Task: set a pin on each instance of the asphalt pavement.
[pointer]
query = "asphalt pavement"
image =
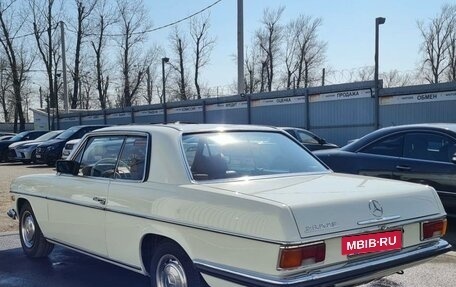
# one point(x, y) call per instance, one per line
point(63, 268)
point(71, 269)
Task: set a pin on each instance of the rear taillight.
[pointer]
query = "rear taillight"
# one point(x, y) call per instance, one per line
point(297, 256)
point(433, 229)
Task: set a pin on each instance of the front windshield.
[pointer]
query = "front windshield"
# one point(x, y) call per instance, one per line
point(19, 136)
point(237, 154)
point(66, 134)
point(48, 136)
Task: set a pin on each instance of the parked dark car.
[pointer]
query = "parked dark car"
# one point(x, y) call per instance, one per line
point(25, 151)
point(23, 136)
point(421, 153)
point(5, 138)
point(309, 139)
point(50, 151)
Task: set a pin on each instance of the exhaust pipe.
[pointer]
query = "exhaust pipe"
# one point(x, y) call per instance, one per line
point(12, 213)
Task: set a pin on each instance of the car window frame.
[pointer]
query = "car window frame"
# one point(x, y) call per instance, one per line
point(431, 132)
point(400, 133)
point(403, 132)
point(83, 144)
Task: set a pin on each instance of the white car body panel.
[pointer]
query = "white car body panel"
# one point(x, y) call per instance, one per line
point(234, 226)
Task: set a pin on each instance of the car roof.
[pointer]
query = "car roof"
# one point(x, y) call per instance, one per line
point(189, 128)
point(451, 127)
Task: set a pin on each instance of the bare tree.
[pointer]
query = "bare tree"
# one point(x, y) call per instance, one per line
point(435, 43)
point(451, 74)
point(103, 18)
point(269, 40)
point(202, 46)
point(84, 9)
point(250, 66)
point(179, 47)
point(133, 24)
point(291, 48)
point(306, 53)
point(43, 23)
point(14, 55)
point(394, 78)
point(5, 87)
point(151, 80)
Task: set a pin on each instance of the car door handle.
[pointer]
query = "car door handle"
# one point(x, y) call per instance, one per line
point(101, 200)
point(403, 167)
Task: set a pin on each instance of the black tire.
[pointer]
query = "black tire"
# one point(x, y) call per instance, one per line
point(171, 257)
point(33, 242)
point(33, 156)
point(4, 156)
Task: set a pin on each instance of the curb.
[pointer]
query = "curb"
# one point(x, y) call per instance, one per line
point(8, 233)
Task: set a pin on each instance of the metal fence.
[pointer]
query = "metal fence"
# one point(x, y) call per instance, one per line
point(337, 112)
point(9, 127)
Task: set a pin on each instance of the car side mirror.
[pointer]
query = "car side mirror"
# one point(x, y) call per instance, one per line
point(322, 141)
point(67, 167)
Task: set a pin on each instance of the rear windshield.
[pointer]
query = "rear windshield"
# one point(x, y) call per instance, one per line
point(19, 136)
point(67, 133)
point(238, 154)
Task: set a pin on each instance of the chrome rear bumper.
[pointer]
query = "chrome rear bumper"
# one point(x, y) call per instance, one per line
point(356, 272)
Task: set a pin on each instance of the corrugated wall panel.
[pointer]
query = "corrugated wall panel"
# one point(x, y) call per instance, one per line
point(430, 112)
point(92, 120)
point(229, 116)
point(283, 115)
point(151, 119)
point(192, 117)
point(342, 135)
point(342, 113)
point(68, 124)
point(118, 121)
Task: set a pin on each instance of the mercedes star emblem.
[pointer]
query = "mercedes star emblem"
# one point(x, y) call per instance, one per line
point(375, 208)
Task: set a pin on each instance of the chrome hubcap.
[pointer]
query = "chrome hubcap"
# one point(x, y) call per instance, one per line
point(28, 229)
point(170, 272)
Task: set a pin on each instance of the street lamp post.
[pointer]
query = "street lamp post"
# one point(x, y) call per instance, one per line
point(378, 21)
point(165, 114)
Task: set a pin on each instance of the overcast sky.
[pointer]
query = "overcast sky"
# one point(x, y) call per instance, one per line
point(348, 28)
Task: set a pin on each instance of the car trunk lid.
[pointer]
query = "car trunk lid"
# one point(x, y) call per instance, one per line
point(327, 203)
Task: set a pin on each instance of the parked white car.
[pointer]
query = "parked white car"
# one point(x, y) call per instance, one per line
point(69, 147)
point(225, 205)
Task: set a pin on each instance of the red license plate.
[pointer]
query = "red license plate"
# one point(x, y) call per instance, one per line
point(372, 242)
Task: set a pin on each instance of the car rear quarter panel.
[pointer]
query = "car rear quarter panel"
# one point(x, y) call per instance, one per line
point(217, 227)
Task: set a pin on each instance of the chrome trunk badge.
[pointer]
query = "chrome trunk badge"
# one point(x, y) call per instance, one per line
point(375, 208)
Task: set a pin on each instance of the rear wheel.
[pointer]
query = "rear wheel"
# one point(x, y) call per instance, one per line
point(32, 239)
point(171, 266)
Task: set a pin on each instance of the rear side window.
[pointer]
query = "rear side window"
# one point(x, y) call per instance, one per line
point(390, 146)
point(306, 138)
point(133, 158)
point(221, 155)
point(428, 146)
